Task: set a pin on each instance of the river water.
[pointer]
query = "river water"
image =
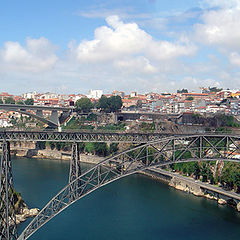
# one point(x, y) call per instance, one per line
point(136, 208)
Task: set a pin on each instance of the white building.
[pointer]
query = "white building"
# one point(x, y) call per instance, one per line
point(29, 95)
point(133, 94)
point(5, 123)
point(96, 94)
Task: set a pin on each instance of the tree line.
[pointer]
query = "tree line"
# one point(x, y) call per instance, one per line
point(10, 100)
point(229, 178)
point(105, 104)
point(100, 149)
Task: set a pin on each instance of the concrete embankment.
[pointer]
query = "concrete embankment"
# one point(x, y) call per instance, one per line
point(197, 188)
point(53, 154)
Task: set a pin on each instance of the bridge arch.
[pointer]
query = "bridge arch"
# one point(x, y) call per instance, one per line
point(53, 120)
point(142, 157)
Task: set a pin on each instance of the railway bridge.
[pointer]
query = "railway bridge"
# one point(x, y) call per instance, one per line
point(150, 153)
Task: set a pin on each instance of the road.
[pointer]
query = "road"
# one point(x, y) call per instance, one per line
point(199, 183)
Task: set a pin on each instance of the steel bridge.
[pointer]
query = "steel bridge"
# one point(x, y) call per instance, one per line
point(82, 136)
point(152, 154)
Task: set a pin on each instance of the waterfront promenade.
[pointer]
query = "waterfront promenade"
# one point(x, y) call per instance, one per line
point(204, 186)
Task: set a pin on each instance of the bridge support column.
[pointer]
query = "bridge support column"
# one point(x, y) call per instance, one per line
point(75, 167)
point(54, 117)
point(39, 113)
point(8, 227)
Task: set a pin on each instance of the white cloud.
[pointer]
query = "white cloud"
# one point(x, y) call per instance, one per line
point(222, 3)
point(38, 55)
point(120, 40)
point(221, 28)
point(139, 64)
point(193, 83)
point(235, 58)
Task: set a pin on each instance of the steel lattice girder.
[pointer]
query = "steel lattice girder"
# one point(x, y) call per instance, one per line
point(81, 136)
point(8, 227)
point(75, 168)
point(163, 152)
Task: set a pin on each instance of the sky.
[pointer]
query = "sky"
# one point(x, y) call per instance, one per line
point(72, 46)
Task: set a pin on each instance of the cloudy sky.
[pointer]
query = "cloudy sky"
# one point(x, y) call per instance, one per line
point(71, 46)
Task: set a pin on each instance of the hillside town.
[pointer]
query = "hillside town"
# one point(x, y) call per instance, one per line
point(207, 102)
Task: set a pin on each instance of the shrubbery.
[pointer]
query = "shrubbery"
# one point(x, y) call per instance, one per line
point(96, 148)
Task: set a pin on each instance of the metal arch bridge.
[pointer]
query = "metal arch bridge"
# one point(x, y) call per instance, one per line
point(166, 151)
point(53, 121)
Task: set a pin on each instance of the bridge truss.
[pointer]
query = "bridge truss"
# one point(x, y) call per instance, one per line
point(81, 136)
point(163, 152)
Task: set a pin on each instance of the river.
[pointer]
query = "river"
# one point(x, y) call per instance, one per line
point(136, 208)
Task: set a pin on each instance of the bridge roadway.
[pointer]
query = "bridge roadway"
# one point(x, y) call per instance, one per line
point(86, 136)
point(83, 136)
point(14, 107)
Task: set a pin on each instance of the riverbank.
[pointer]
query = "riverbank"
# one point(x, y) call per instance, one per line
point(53, 154)
point(21, 209)
point(26, 213)
point(196, 188)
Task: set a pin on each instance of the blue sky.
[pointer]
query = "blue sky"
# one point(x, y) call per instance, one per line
point(144, 45)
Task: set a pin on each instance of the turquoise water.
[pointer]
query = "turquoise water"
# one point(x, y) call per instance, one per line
point(136, 208)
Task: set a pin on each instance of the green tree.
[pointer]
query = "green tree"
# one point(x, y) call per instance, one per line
point(29, 101)
point(9, 100)
point(113, 148)
point(236, 181)
point(41, 145)
point(103, 103)
point(81, 147)
point(51, 144)
point(197, 170)
point(115, 103)
point(215, 89)
point(1, 101)
point(89, 147)
point(101, 149)
point(112, 104)
point(182, 91)
point(19, 102)
point(204, 172)
point(231, 176)
point(84, 105)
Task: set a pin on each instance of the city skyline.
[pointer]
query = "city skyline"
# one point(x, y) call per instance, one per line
point(144, 46)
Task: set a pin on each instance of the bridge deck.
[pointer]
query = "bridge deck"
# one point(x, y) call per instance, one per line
point(12, 107)
point(91, 136)
point(81, 136)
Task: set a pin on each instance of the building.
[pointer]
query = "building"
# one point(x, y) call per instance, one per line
point(29, 95)
point(195, 95)
point(96, 94)
point(133, 94)
point(118, 93)
point(5, 95)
